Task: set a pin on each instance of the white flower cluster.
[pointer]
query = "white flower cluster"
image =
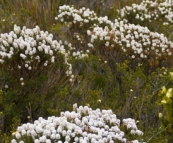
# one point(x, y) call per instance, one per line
point(80, 54)
point(76, 53)
point(67, 13)
point(148, 11)
point(137, 41)
point(131, 125)
point(81, 16)
point(31, 46)
point(82, 125)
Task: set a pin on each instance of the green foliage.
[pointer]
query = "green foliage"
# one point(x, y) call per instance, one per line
point(128, 92)
point(32, 99)
point(166, 102)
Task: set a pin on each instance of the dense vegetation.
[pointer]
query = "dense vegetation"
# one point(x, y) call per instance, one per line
point(114, 58)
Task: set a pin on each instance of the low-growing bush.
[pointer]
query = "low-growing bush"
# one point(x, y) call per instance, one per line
point(81, 125)
point(117, 40)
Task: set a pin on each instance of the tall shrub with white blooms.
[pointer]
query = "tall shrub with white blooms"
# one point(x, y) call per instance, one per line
point(33, 64)
point(28, 50)
point(81, 125)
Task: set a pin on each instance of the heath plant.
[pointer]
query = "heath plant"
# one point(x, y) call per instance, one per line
point(29, 50)
point(147, 11)
point(32, 65)
point(156, 15)
point(134, 42)
point(81, 125)
point(77, 22)
point(119, 40)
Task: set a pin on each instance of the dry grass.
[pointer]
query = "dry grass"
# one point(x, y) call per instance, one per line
point(42, 12)
point(29, 12)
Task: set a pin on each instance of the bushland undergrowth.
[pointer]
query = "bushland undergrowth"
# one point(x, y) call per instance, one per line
point(100, 54)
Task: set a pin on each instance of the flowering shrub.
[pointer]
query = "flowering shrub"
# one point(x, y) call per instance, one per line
point(126, 40)
point(77, 21)
point(70, 14)
point(147, 11)
point(136, 42)
point(32, 66)
point(156, 15)
point(32, 49)
point(81, 125)
point(83, 17)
